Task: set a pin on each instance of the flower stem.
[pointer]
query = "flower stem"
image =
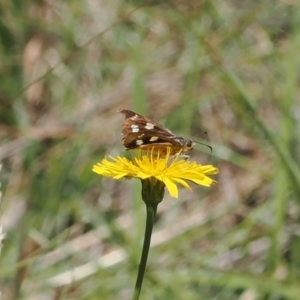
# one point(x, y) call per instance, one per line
point(151, 212)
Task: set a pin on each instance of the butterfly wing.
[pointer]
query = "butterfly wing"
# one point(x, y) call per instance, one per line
point(137, 123)
point(141, 132)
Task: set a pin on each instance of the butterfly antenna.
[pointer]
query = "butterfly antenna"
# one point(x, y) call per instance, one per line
point(211, 149)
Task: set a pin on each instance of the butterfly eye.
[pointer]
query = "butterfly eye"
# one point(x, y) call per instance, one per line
point(190, 144)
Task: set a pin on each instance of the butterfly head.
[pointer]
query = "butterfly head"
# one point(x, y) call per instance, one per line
point(186, 144)
point(189, 144)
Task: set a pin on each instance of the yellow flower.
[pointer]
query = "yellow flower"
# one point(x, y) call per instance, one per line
point(168, 169)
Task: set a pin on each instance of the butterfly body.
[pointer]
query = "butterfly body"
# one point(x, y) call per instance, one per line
point(142, 133)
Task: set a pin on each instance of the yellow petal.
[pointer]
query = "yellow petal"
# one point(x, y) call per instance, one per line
point(172, 187)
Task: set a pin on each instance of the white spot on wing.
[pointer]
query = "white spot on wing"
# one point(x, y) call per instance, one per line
point(149, 126)
point(134, 117)
point(153, 139)
point(135, 128)
point(139, 142)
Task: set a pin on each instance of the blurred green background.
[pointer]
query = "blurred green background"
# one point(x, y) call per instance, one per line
point(228, 68)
